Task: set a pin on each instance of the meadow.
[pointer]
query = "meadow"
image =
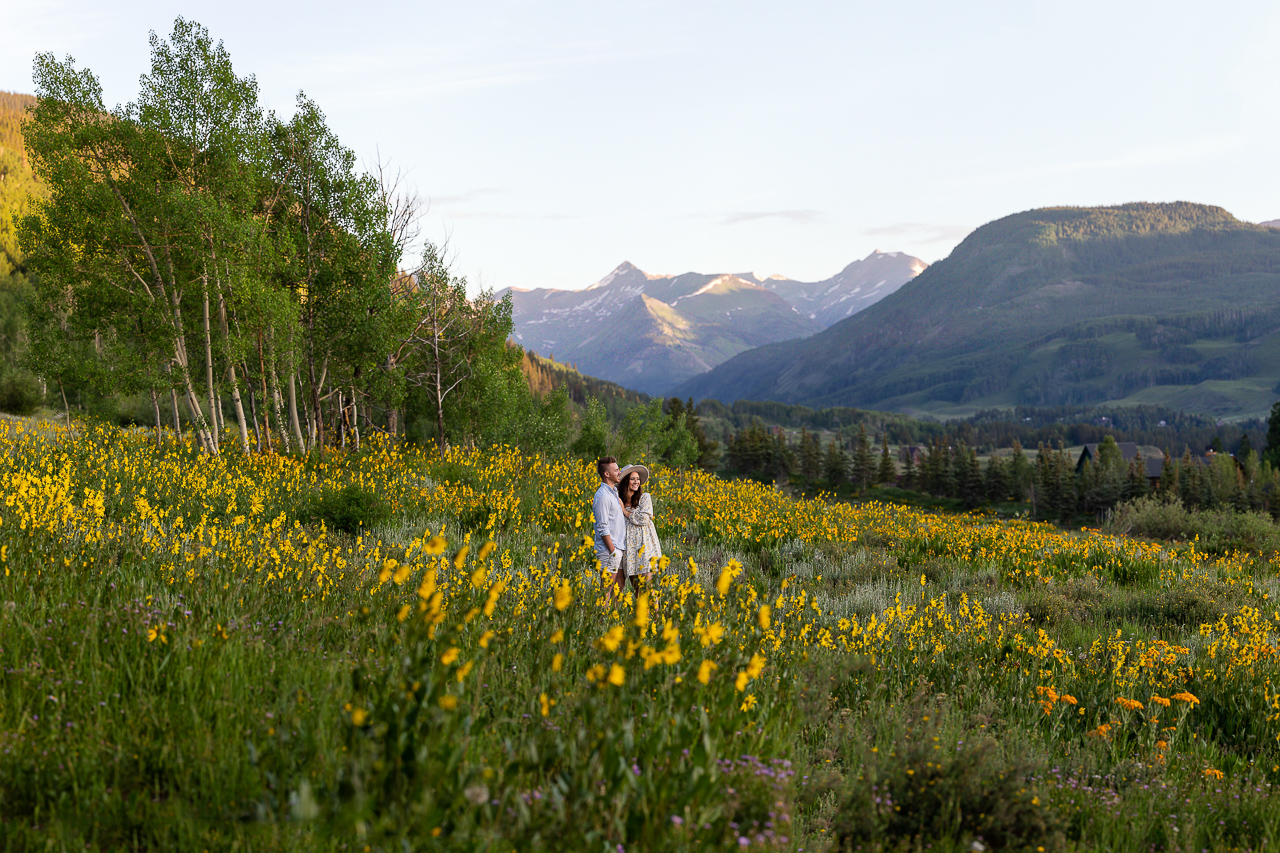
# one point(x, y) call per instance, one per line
point(393, 649)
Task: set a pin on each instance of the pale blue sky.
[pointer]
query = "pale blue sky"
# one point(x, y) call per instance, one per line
point(556, 140)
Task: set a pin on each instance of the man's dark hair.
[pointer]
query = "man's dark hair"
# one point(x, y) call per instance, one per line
point(604, 462)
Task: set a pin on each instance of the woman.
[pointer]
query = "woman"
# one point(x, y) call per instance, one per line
point(643, 548)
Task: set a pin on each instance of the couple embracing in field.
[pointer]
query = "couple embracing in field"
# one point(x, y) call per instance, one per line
point(625, 538)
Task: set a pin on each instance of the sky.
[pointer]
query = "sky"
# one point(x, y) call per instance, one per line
point(550, 141)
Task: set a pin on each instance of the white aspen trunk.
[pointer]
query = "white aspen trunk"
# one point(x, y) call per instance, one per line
point(276, 397)
point(177, 417)
point(278, 400)
point(266, 397)
point(253, 413)
point(294, 423)
point(155, 404)
point(208, 363)
point(355, 420)
point(184, 367)
point(238, 405)
point(203, 434)
point(342, 420)
point(236, 402)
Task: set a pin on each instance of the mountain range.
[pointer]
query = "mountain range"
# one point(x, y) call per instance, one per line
point(651, 332)
point(1174, 304)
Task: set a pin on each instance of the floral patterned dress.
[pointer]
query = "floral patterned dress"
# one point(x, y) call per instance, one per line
point(643, 547)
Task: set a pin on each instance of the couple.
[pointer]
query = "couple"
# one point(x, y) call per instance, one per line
point(626, 540)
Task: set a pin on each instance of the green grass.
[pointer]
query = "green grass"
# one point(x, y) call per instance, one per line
point(229, 729)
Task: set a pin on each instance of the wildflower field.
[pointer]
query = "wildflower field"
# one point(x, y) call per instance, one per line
point(391, 649)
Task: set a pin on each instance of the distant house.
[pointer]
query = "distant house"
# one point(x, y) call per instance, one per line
point(913, 453)
point(1128, 450)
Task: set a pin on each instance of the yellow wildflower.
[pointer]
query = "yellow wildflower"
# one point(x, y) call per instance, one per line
point(705, 670)
point(642, 610)
point(612, 639)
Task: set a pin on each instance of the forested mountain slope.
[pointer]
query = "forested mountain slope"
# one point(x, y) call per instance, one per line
point(1175, 304)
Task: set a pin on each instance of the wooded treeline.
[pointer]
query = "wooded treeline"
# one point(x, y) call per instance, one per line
point(992, 429)
point(234, 267)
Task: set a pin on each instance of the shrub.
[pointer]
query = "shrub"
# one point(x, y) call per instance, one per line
point(1219, 530)
point(931, 788)
point(350, 509)
point(20, 394)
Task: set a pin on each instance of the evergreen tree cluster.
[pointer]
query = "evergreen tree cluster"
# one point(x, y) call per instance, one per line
point(765, 454)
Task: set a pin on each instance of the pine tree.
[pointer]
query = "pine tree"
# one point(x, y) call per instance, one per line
point(810, 457)
point(1102, 481)
point(783, 460)
point(863, 462)
point(946, 473)
point(708, 450)
point(1020, 472)
point(1189, 485)
point(887, 472)
point(1272, 451)
point(1169, 488)
point(835, 465)
point(969, 477)
point(910, 476)
point(751, 453)
point(996, 480)
point(1136, 485)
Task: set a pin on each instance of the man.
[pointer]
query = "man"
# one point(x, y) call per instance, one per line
point(610, 523)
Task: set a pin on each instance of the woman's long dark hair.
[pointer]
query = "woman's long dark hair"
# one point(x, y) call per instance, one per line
point(634, 497)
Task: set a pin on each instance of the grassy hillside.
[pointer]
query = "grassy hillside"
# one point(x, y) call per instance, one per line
point(1171, 304)
point(210, 653)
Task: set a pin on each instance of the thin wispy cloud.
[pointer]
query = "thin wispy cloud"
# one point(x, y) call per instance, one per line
point(801, 217)
point(498, 214)
point(923, 232)
point(466, 197)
